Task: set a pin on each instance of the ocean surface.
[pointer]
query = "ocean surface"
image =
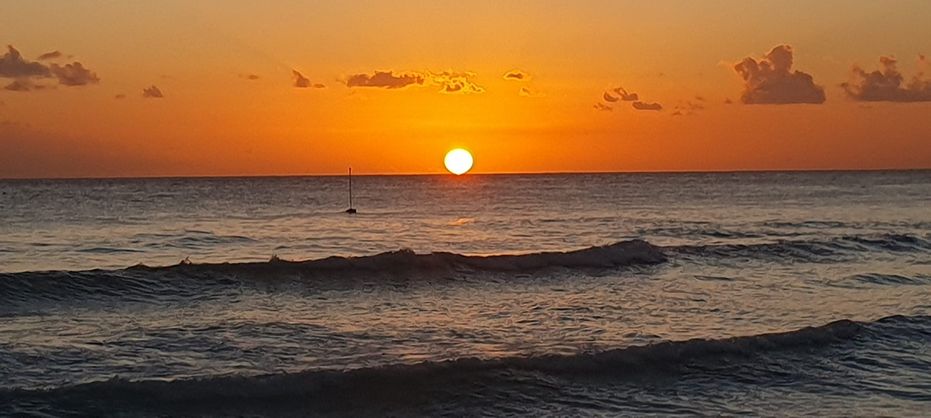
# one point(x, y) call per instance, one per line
point(540, 295)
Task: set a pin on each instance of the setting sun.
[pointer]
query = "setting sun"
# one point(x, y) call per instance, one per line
point(458, 161)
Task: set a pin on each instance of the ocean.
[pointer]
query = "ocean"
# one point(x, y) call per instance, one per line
point(671, 294)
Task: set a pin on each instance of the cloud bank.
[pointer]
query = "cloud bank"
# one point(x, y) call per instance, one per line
point(888, 84)
point(770, 80)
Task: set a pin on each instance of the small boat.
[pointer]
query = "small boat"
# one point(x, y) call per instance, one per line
point(351, 210)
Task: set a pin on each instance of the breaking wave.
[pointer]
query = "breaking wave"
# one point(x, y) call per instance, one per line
point(756, 358)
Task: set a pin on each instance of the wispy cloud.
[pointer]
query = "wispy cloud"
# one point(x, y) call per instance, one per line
point(602, 107)
point(50, 56)
point(23, 84)
point(770, 80)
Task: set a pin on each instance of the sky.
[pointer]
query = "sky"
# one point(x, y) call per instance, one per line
point(228, 88)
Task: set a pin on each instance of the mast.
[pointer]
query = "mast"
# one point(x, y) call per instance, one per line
point(351, 210)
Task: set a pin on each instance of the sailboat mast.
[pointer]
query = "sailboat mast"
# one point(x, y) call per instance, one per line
point(350, 187)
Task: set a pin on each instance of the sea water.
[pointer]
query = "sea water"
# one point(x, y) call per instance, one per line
point(575, 294)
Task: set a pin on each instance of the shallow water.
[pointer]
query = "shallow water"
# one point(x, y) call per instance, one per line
point(659, 258)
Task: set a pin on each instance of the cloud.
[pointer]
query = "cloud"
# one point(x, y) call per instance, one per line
point(384, 79)
point(50, 55)
point(728, 101)
point(687, 107)
point(602, 107)
point(625, 96)
point(152, 93)
point(888, 85)
point(74, 74)
point(119, 96)
point(772, 81)
point(529, 92)
point(23, 84)
point(251, 77)
point(300, 81)
point(621, 94)
point(318, 85)
point(647, 106)
point(516, 75)
point(456, 82)
point(13, 65)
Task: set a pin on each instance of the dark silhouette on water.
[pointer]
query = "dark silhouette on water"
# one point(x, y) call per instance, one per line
point(351, 210)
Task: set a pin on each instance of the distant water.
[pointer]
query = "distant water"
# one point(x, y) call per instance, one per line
point(607, 294)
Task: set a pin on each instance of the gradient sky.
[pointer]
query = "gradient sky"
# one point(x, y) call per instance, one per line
point(230, 105)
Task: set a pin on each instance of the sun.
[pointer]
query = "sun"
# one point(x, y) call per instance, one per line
point(458, 161)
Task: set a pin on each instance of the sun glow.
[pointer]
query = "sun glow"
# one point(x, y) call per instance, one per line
point(458, 161)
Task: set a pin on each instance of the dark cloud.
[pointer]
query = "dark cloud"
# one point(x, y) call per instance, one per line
point(609, 98)
point(251, 77)
point(888, 84)
point(300, 81)
point(319, 85)
point(772, 81)
point(646, 106)
point(625, 96)
point(13, 65)
point(602, 107)
point(516, 75)
point(119, 96)
point(728, 101)
point(74, 74)
point(50, 55)
point(152, 93)
point(384, 79)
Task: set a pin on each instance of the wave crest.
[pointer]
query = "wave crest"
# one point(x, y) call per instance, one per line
point(412, 383)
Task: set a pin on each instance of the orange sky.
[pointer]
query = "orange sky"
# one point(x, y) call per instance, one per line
point(447, 86)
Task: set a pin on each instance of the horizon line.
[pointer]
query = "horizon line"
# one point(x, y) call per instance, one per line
point(501, 173)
